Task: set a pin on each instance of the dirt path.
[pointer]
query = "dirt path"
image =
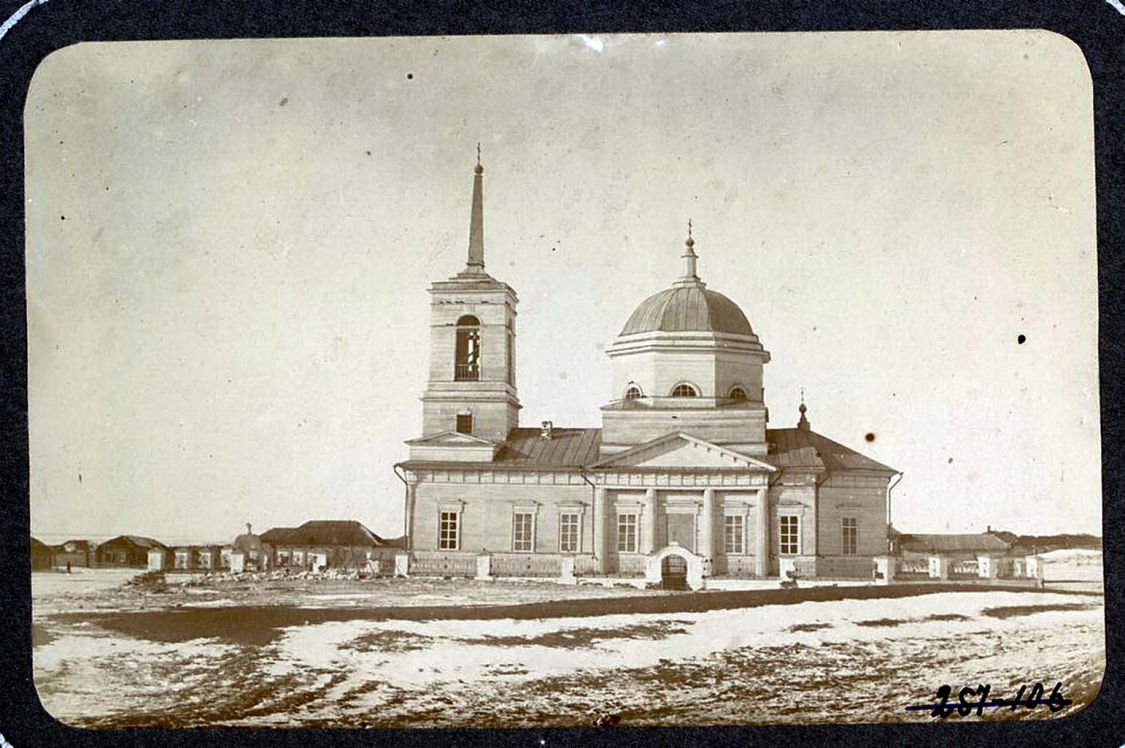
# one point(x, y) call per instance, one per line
point(261, 624)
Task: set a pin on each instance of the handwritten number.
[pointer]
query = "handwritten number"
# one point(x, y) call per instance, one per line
point(1019, 697)
point(1057, 701)
point(942, 708)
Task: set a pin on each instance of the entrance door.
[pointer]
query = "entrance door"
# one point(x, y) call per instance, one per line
point(681, 529)
point(673, 573)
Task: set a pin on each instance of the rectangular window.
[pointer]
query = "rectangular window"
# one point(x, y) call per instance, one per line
point(523, 527)
point(850, 535)
point(568, 532)
point(465, 423)
point(734, 534)
point(790, 535)
point(627, 533)
point(448, 531)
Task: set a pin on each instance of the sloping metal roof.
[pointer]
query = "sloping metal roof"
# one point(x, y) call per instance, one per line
point(688, 308)
point(565, 448)
point(952, 543)
point(332, 532)
point(579, 448)
point(798, 448)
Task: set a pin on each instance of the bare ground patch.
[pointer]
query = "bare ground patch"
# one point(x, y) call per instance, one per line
point(1011, 611)
point(584, 637)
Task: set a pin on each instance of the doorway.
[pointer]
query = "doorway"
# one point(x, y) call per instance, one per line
point(673, 573)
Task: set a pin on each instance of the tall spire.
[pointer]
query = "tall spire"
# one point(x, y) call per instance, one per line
point(690, 276)
point(475, 264)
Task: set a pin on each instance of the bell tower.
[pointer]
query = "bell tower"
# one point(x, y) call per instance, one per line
point(472, 384)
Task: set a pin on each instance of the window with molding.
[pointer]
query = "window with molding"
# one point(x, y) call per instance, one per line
point(464, 423)
point(569, 532)
point(849, 528)
point(523, 532)
point(449, 531)
point(734, 534)
point(789, 535)
point(627, 532)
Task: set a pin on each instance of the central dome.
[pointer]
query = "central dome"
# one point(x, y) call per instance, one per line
point(685, 308)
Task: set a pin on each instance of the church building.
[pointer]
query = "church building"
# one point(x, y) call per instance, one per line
point(683, 471)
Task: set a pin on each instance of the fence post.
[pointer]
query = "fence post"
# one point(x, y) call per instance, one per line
point(884, 570)
point(402, 564)
point(939, 567)
point(566, 570)
point(484, 568)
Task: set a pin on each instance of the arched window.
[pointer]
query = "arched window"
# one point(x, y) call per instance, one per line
point(466, 356)
point(633, 392)
point(685, 390)
point(737, 393)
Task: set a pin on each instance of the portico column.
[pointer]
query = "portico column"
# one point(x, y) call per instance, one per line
point(706, 524)
point(648, 537)
point(761, 534)
point(599, 530)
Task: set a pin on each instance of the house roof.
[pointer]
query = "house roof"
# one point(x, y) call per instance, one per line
point(275, 535)
point(327, 532)
point(952, 543)
point(135, 540)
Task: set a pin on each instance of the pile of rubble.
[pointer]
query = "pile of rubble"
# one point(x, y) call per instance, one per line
point(276, 575)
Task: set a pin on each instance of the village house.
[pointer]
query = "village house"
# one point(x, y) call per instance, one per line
point(683, 477)
point(319, 544)
point(127, 550)
point(42, 555)
point(74, 552)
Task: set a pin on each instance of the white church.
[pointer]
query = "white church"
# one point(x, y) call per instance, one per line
point(683, 479)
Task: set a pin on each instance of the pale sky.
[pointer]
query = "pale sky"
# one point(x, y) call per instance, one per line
point(230, 324)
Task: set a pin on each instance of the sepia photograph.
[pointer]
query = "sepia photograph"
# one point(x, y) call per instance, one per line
point(564, 380)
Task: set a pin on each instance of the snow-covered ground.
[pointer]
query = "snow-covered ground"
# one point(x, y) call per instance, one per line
point(808, 661)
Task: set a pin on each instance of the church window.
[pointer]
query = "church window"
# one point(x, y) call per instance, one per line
point(850, 529)
point(633, 392)
point(568, 532)
point(449, 531)
point(737, 393)
point(464, 423)
point(790, 536)
point(734, 534)
point(466, 364)
point(523, 531)
point(685, 390)
point(627, 533)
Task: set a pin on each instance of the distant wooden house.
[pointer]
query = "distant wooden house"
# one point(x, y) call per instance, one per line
point(319, 544)
point(74, 552)
point(126, 550)
point(951, 545)
point(42, 555)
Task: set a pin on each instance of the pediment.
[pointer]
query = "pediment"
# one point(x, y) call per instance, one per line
point(682, 451)
point(451, 439)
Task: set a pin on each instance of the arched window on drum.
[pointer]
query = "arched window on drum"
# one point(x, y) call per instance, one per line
point(466, 356)
point(737, 393)
point(685, 390)
point(633, 393)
